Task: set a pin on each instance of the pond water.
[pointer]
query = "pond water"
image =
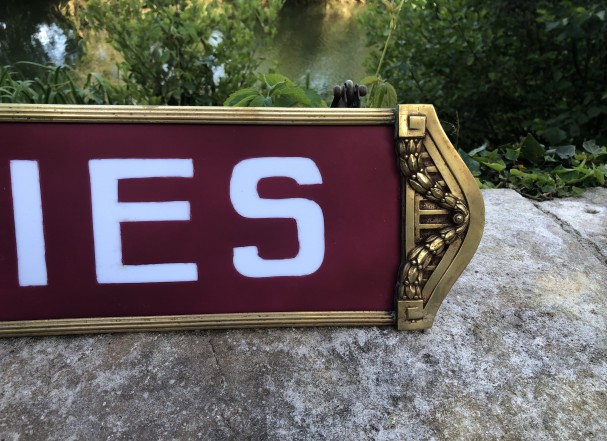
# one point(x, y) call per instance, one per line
point(324, 41)
point(30, 31)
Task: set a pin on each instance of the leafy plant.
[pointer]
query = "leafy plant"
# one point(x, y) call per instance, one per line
point(185, 52)
point(537, 172)
point(275, 90)
point(381, 93)
point(499, 69)
point(56, 85)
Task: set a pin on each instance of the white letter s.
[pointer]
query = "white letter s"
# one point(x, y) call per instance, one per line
point(307, 214)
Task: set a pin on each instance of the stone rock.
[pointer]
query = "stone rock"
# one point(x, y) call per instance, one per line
point(518, 352)
point(585, 216)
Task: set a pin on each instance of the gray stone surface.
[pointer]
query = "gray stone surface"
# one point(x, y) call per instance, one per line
point(585, 216)
point(518, 352)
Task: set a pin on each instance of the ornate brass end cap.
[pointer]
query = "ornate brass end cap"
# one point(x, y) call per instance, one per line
point(443, 216)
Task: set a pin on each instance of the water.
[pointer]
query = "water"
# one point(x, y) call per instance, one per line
point(32, 30)
point(324, 41)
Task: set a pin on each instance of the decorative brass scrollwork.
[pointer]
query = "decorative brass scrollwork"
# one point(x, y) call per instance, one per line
point(409, 284)
point(443, 216)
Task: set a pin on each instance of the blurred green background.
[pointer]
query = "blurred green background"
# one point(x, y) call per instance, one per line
point(520, 85)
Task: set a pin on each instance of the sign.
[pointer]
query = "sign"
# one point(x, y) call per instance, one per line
point(149, 218)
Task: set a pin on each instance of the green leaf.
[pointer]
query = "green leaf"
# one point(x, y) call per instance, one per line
point(484, 184)
point(516, 172)
point(391, 99)
point(531, 150)
point(258, 101)
point(569, 175)
point(379, 92)
point(512, 154)
point(548, 188)
point(565, 151)
point(273, 79)
point(239, 95)
point(246, 101)
point(592, 147)
point(315, 99)
point(371, 80)
point(497, 166)
point(576, 191)
point(494, 163)
point(560, 170)
point(477, 150)
point(599, 175)
point(472, 164)
point(291, 96)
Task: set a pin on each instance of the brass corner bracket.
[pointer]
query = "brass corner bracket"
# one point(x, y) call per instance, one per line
point(443, 216)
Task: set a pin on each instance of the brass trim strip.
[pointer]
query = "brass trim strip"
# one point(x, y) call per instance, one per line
point(190, 322)
point(194, 115)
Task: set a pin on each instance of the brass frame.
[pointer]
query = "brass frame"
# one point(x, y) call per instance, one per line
point(191, 322)
point(438, 194)
point(193, 115)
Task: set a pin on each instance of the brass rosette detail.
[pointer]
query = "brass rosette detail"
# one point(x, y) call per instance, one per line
point(410, 278)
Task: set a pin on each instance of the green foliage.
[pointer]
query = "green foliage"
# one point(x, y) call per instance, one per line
point(274, 90)
point(498, 69)
point(381, 93)
point(536, 172)
point(56, 85)
point(185, 52)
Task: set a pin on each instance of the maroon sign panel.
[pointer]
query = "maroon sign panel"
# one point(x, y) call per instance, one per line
point(115, 220)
